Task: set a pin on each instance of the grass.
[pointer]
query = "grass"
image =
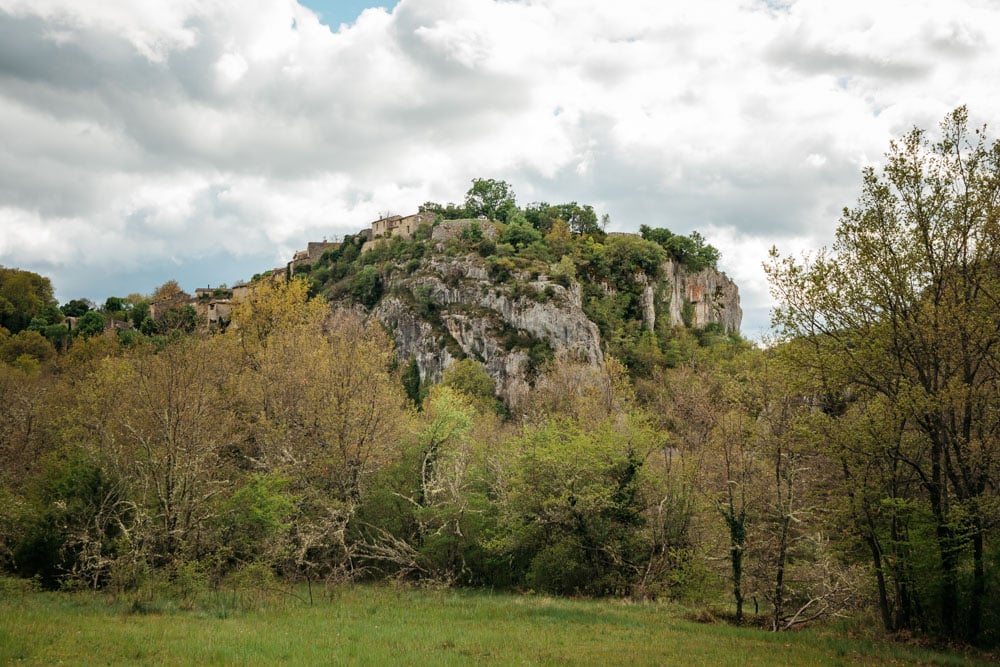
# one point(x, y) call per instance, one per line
point(383, 625)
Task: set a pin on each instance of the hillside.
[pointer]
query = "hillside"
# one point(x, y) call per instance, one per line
point(511, 298)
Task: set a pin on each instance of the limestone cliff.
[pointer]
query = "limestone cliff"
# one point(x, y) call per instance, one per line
point(450, 307)
point(693, 299)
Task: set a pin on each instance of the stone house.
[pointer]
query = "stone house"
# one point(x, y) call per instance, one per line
point(397, 225)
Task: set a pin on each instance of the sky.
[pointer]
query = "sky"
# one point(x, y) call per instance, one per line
point(208, 140)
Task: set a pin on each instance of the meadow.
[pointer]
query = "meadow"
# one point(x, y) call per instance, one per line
point(385, 625)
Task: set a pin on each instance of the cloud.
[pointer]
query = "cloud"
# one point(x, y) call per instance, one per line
point(148, 140)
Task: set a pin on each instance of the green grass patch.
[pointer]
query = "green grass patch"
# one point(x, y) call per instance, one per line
point(383, 625)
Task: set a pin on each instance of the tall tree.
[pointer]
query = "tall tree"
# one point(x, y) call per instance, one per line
point(906, 307)
point(489, 197)
point(24, 295)
point(162, 421)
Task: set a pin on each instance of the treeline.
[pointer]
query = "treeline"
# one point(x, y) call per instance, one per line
point(492, 199)
point(34, 328)
point(286, 447)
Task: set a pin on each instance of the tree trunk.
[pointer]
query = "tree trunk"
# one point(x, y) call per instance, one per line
point(779, 577)
point(978, 584)
point(883, 598)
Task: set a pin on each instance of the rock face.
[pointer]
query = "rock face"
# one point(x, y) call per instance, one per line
point(691, 299)
point(694, 299)
point(450, 307)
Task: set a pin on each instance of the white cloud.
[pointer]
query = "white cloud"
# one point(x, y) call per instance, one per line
point(143, 134)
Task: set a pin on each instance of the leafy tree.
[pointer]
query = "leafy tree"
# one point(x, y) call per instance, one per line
point(903, 314)
point(491, 198)
point(574, 503)
point(412, 385)
point(139, 313)
point(24, 295)
point(520, 235)
point(75, 308)
point(91, 324)
point(581, 219)
point(255, 519)
point(332, 415)
point(691, 251)
point(181, 319)
point(65, 528)
point(270, 309)
point(367, 287)
point(161, 423)
point(470, 378)
point(115, 304)
point(26, 344)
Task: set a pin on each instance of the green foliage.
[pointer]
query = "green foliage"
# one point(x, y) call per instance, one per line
point(575, 507)
point(91, 324)
point(183, 319)
point(500, 269)
point(24, 295)
point(27, 343)
point(255, 518)
point(75, 308)
point(582, 220)
point(898, 327)
point(415, 389)
point(490, 198)
point(687, 313)
point(65, 520)
point(470, 378)
point(520, 236)
point(691, 251)
point(367, 286)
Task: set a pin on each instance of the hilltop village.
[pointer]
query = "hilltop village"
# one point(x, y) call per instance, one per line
point(215, 304)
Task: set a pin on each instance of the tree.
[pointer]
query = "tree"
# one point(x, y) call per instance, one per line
point(330, 415)
point(904, 313)
point(161, 423)
point(26, 344)
point(271, 308)
point(76, 308)
point(491, 198)
point(573, 501)
point(24, 295)
point(470, 377)
point(91, 324)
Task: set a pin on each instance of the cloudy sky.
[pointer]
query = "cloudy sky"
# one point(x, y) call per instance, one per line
point(207, 140)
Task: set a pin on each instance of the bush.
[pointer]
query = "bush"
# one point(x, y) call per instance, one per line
point(367, 287)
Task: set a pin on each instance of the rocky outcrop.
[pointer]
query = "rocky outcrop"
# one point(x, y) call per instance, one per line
point(692, 299)
point(450, 307)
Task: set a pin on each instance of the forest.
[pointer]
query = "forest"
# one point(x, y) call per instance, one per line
point(847, 467)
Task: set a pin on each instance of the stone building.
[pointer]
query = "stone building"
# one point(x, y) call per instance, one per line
point(397, 225)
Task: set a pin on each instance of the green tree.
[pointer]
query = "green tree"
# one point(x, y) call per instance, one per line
point(75, 308)
point(24, 295)
point(491, 198)
point(29, 344)
point(574, 505)
point(470, 378)
point(905, 312)
point(412, 385)
point(91, 324)
point(367, 286)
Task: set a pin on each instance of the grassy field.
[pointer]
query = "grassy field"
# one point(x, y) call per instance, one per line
point(382, 625)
